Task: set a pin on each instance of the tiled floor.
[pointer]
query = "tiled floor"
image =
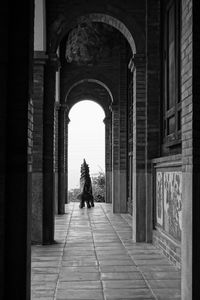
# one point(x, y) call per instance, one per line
point(95, 258)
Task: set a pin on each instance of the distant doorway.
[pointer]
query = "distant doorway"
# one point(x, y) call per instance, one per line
point(86, 140)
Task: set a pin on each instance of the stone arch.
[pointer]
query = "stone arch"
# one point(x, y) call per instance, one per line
point(96, 91)
point(100, 79)
point(61, 27)
point(117, 16)
point(89, 89)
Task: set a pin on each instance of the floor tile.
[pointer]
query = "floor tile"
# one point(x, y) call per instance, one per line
point(80, 294)
point(95, 258)
point(80, 285)
point(127, 293)
point(125, 284)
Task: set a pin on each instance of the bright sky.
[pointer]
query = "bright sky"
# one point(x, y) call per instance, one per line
point(86, 139)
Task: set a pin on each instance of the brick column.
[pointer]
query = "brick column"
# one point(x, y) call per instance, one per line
point(190, 92)
point(37, 175)
point(139, 149)
point(118, 201)
point(67, 120)
point(115, 158)
point(123, 136)
point(48, 148)
point(61, 159)
point(55, 159)
point(108, 159)
point(153, 111)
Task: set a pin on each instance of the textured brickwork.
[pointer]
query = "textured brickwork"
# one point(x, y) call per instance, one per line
point(153, 111)
point(186, 84)
point(196, 139)
point(48, 148)
point(38, 101)
point(61, 159)
point(30, 135)
point(170, 248)
point(38, 117)
point(189, 134)
point(153, 80)
point(55, 151)
point(37, 176)
point(108, 157)
point(139, 147)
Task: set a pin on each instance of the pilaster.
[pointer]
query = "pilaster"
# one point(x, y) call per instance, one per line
point(67, 120)
point(139, 148)
point(108, 158)
point(48, 148)
point(62, 166)
point(40, 59)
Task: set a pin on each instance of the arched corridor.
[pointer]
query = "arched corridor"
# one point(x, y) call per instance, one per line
point(139, 60)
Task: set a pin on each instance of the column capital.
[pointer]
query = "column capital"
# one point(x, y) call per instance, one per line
point(40, 57)
point(107, 120)
point(64, 107)
point(114, 107)
point(61, 106)
point(57, 106)
point(67, 120)
point(136, 60)
point(139, 59)
point(54, 61)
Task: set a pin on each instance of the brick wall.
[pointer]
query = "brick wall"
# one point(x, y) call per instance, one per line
point(170, 248)
point(38, 100)
point(196, 137)
point(30, 135)
point(186, 83)
point(56, 112)
point(37, 175)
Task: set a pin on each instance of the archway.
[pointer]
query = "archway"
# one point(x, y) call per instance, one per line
point(86, 140)
point(99, 92)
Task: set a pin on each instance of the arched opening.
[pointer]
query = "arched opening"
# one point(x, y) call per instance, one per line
point(86, 140)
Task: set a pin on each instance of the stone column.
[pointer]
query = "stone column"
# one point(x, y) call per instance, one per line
point(108, 158)
point(48, 148)
point(37, 175)
point(61, 159)
point(139, 148)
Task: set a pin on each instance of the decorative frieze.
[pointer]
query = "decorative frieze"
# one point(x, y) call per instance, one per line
point(169, 202)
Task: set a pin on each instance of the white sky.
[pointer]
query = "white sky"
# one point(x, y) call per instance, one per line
point(86, 139)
